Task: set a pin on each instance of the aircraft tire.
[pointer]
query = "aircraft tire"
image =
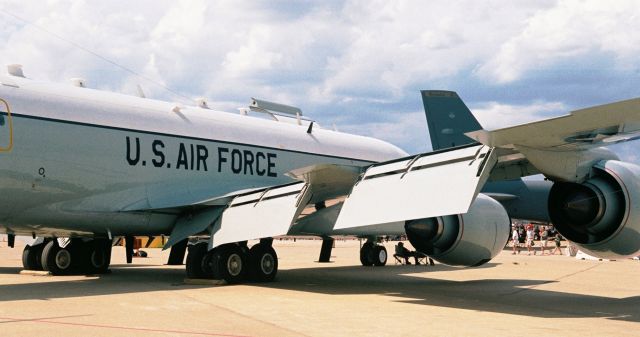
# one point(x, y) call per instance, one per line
point(229, 263)
point(97, 254)
point(263, 263)
point(195, 261)
point(379, 255)
point(366, 251)
point(57, 260)
point(32, 257)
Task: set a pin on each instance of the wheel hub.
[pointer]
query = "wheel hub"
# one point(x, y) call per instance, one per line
point(63, 259)
point(267, 264)
point(382, 256)
point(234, 264)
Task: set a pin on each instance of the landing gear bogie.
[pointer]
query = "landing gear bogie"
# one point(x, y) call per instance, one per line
point(77, 257)
point(233, 262)
point(372, 254)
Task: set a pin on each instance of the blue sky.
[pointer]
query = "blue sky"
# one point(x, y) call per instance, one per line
point(358, 64)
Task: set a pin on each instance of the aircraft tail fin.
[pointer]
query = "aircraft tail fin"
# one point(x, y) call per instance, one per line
point(448, 119)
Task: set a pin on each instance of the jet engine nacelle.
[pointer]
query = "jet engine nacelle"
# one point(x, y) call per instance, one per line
point(469, 239)
point(601, 215)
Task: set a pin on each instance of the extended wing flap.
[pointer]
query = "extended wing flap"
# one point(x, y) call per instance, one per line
point(261, 214)
point(424, 186)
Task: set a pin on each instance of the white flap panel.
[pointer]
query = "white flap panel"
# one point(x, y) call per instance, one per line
point(424, 186)
point(259, 215)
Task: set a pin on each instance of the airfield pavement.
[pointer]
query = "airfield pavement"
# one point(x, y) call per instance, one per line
point(513, 295)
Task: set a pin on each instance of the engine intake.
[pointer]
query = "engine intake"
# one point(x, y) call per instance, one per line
point(600, 215)
point(469, 239)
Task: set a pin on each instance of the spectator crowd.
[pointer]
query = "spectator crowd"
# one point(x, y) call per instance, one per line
point(526, 235)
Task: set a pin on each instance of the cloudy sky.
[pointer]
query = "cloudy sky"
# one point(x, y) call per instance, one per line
point(358, 64)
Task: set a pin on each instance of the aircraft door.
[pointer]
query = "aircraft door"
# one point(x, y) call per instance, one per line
point(6, 127)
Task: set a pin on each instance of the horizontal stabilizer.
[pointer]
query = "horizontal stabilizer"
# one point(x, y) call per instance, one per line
point(261, 214)
point(427, 185)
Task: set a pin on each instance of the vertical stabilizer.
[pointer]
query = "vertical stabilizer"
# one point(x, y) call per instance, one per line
point(448, 119)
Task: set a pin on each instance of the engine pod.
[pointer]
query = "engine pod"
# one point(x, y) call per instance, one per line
point(469, 239)
point(601, 215)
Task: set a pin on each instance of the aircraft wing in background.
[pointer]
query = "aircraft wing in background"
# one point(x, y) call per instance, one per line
point(563, 148)
point(581, 129)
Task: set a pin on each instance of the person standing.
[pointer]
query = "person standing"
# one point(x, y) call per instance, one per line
point(557, 240)
point(544, 237)
point(530, 237)
point(515, 240)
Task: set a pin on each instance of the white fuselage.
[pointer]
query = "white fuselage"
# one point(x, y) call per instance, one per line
point(89, 162)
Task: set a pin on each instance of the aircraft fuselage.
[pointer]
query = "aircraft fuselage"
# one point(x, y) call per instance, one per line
point(87, 162)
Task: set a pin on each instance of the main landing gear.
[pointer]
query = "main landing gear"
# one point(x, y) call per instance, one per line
point(233, 262)
point(373, 254)
point(74, 257)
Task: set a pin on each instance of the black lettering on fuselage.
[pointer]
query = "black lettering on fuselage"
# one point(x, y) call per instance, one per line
point(182, 158)
point(133, 161)
point(158, 146)
point(260, 171)
point(193, 157)
point(271, 164)
point(236, 161)
point(248, 161)
point(203, 154)
point(221, 159)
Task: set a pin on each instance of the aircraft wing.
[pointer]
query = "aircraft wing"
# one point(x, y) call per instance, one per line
point(426, 185)
point(527, 149)
point(581, 129)
point(384, 193)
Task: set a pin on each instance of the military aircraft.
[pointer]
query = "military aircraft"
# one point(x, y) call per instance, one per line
point(81, 166)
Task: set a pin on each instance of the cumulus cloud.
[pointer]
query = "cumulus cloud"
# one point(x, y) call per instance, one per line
point(495, 115)
point(395, 131)
point(357, 63)
point(568, 30)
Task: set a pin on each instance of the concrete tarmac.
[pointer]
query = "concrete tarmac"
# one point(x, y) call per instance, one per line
point(513, 295)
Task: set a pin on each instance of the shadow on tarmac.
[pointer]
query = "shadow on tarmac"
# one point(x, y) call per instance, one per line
point(508, 296)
